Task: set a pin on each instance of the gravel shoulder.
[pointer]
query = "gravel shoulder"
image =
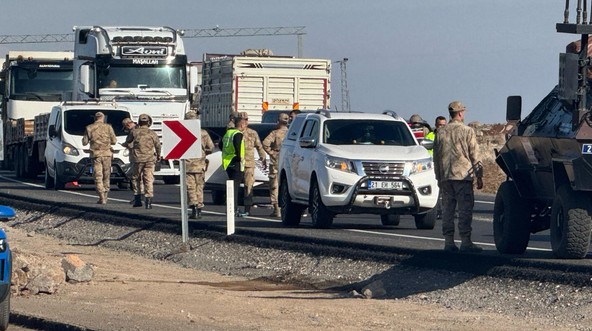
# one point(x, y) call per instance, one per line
point(144, 282)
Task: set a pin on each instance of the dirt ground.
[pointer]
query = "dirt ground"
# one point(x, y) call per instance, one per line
point(133, 293)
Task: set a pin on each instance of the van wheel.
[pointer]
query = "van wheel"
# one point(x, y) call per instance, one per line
point(570, 224)
point(390, 219)
point(58, 184)
point(321, 217)
point(291, 212)
point(171, 180)
point(218, 197)
point(48, 180)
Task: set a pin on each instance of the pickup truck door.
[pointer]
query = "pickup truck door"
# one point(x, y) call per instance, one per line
point(303, 163)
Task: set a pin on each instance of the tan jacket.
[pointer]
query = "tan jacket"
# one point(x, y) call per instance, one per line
point(455, 152)
point(144, 143)
point(252, 142)
point(198, 165)
point(101, 136)
point(273, 142)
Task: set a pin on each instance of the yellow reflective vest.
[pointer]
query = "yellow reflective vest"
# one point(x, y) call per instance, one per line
point(228, 151)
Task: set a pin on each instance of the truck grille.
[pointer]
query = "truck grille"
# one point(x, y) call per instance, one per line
point(383, 169)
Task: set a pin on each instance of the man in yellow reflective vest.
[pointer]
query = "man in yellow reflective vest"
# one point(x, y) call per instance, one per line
point(232, 146)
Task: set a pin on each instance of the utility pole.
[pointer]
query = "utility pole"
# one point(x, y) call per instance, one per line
point(345, 105)
point(298, 31)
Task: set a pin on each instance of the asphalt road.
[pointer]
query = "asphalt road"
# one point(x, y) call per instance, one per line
point(358, 229)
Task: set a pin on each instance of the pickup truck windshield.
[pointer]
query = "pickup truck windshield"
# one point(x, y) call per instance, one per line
point(367, 132)
point(76, 120)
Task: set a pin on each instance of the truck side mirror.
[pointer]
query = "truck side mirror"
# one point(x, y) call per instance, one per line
point(513, 108)
point(51, 131)
point(85, 78)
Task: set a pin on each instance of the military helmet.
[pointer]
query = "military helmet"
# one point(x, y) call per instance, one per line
point(415, 119)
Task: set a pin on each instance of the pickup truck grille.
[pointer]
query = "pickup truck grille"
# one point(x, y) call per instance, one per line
point(382, 169)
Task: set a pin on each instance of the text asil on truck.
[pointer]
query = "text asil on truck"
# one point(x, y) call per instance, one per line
point(31, 82)
point(256, 82)
point(142, 68)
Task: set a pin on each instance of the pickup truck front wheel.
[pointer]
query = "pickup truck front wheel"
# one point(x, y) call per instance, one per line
point(291, 212)
point(390, 219)
point(321, 217)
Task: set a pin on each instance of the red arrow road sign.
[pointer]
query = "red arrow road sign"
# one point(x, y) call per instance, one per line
point(187, 139)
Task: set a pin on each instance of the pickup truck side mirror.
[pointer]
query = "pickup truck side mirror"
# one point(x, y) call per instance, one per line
point(427, 143)
point(307, 142)
point(51, 131)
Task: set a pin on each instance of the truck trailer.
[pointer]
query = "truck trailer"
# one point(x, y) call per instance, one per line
point(31, 82)
point(141, 68)
point(259, 83)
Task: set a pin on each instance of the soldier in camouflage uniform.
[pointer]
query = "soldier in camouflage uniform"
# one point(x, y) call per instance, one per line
point(252, 142)
point(128, 125)
point(146, 150)
point(195, 170)
point(456, 162)
point(272, 144)
point(101, 136)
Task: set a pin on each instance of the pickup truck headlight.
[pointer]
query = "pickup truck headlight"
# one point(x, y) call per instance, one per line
point(69, 149)
point(126, 152)
point(419, 166)
point(339, 164)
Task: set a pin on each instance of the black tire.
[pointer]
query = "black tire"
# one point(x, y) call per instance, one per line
point(291, 212)
point(390, 219)
point(48, 180)
point(426, 221)
point(321, 217)
point(16, 157)
point(123, 185)
point(58, 184)
point(511, 220)
point(218, 197)
point(570, 224)
point(5, 310)
point(171, 180)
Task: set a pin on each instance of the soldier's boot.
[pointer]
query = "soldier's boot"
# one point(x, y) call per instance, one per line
point(247, 211)
point(102, 198)
point(468, 246)
point(137, 200)
point(148, 203)
point(198, 212)
point(449, 244)
point(193, 214)
point(277, 212)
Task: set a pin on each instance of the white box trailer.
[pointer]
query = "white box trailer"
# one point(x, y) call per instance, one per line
point(255, 84)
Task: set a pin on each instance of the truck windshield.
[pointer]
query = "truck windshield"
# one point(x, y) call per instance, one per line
point(153, 77)
point(76, 120)
point(367, 132)
point(42, 84)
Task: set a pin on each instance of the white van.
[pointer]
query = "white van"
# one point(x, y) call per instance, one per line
point(66, 159)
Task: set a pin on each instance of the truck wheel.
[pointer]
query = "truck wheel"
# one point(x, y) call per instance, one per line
point(321, 217)
point(171, 180)
point(570, 224)
point(5, 311)
point(48, 180)
point(58, 184)
point(219, 197)
point(291, 212)
point(390, 219)
point(426, 221)
point(16, 157)
point(511, 220)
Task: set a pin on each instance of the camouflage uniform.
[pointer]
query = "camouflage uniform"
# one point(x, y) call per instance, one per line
point(456, 153)
point(195, 172)
point(145, 152)
point(101, 136)
point(252, 142)
point(272, 144)
point(127, 128)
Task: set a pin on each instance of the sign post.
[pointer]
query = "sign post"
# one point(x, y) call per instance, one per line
point(181, 140)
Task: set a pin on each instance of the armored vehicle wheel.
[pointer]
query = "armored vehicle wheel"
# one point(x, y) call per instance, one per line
point(390, 219)
point(511, 220)
point(426, 221)
point(570, 224)
point(48, 180)
point(321, 217)
point(291, 212)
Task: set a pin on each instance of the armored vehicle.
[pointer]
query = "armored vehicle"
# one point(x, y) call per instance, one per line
point(548, 158)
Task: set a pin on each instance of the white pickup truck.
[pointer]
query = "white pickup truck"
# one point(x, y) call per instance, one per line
point(335, 163)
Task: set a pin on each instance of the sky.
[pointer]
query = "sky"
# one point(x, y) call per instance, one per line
point(413, 57)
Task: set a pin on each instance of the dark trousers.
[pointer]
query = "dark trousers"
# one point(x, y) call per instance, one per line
point(237, 176)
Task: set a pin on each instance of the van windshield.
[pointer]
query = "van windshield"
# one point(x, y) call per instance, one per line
point(75, 121)
point(367, 132)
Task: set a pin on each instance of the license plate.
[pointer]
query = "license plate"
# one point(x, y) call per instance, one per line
point(382, 185)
